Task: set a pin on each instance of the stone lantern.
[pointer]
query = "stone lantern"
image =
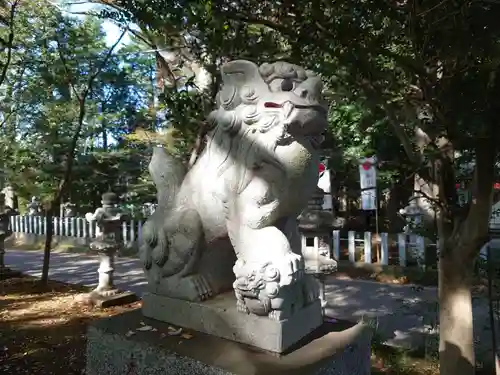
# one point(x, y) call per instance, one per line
point(109, 219)
point(413, 215)
point(68, 209)
point(5, 213)
point(316, 225)
point(34, 207)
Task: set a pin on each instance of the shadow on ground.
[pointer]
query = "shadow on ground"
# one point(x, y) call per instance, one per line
point(78, 268)
point(41, 330)
point(404, 315)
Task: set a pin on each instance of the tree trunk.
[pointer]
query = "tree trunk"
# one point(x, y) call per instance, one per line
point(104, 128)
point(48, 245)
point(63, 186)
point(104, 137)
point(399, 196)
point(456, 348)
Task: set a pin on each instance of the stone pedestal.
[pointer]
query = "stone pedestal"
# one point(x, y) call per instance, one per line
point(219, 317)
point(106, 294)
point(106, 267)
point(107, 299)
point(114, 346)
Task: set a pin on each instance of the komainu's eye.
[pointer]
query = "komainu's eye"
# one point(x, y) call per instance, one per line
point(287, 85)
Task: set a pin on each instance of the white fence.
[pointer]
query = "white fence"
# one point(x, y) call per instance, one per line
point(71, 227)
point(357, 247)
point(384, 249)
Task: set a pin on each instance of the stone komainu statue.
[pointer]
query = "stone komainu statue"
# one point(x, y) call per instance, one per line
point(230, 221)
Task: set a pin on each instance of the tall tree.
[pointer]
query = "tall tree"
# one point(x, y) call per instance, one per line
point(80, 91)
point(124, 101)
point(67, 56)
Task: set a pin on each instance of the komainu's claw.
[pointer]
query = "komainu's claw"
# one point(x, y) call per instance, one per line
point(275, 315)
point(200, 288)
point(241, 307)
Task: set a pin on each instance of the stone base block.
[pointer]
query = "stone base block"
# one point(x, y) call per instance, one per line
point(114, 346)
point(97, 300)
point(219, 317)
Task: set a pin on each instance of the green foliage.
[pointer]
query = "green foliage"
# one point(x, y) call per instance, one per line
point(391, 57)
point(52, 62)
point(402, 78)
point(217, 32)
point(185, 110)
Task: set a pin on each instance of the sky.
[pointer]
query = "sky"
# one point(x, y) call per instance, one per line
point(112, 31)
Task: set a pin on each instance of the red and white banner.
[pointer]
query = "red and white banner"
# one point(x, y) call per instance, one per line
point(324, 184)
point(368, 183)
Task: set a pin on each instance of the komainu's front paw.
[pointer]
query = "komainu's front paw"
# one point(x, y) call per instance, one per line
point(275, 315)
point(197, 287)
point(291, 268)
point(242, 307)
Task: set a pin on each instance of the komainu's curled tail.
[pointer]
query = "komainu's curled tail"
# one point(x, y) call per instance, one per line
point(167, 174)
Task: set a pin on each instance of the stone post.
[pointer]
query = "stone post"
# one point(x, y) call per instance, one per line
point(316, 225)
point(109, 219)
point(5, 213)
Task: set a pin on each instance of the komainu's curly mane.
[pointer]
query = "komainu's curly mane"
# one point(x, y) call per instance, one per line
point(240, 126)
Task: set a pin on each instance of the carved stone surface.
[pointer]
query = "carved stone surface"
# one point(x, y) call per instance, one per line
point(109, 219)
point(68, 209)
point(413, 215)
point(314, 218)
point(10, 196)
point(220, 317)
point(241, 198)
point(105, 300)
point(34, 207)
point(316, 226)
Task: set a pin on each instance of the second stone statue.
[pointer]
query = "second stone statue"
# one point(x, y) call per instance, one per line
point(230, 222)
